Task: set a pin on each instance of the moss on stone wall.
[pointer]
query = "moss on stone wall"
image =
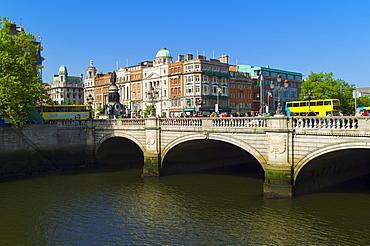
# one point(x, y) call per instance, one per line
point(26, 163)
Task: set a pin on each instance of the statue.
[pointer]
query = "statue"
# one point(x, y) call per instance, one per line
point(113, 78)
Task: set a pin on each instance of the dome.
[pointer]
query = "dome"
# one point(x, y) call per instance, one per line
point(163, 52)
point(63, 69)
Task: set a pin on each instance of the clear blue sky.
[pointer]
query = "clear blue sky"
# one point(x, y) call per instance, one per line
point(294, 35)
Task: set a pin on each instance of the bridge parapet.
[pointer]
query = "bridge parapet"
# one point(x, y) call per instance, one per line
point(342, 123)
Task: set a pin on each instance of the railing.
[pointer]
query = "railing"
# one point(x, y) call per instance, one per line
point(132, 122)
point(249, 122)
point(71, 123)
point(341, 122)
point(295, 122)
point(181, 122)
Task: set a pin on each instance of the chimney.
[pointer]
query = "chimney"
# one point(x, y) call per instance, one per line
point(201, 57)
point(180, 57)
point(189, 56)
point(224, 59)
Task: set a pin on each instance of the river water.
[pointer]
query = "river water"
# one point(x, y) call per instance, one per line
point(106, 206)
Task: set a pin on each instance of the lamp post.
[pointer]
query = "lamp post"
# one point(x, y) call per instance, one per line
point(153, 94)
point(218, 89)
point(268, 101)
point(40, 61)
point(90, 100)
point(279, 87)
point(309, 96)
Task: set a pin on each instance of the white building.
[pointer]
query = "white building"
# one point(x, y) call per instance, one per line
point(67, 89)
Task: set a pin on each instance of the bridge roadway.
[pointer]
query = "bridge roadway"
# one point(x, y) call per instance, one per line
point(297, 154)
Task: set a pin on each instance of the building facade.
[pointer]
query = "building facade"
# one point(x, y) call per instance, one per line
point(264, 98)
point(66, 89)
point(189, 86)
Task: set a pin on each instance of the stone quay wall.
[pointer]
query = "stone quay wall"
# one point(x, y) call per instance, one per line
point(35, 149)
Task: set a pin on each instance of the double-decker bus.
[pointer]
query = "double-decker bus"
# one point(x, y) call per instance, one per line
point(320, 107)
point(62, 112)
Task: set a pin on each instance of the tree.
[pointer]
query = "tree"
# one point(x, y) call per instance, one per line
point(324, 86)
point(20, 81)
point(363, 101)
point(148, 110)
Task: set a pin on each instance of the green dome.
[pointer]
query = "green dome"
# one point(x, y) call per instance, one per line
point(63, 69)
point(163, 52)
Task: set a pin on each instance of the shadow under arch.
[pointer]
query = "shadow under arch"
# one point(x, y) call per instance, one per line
point(193, 153)
point(331, 166)
point(328, 149)
point(119, 149)
point(218, 137)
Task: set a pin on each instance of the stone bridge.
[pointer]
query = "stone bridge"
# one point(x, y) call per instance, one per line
point(296, 154)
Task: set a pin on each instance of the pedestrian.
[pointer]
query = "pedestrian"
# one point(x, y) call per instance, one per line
point(311, 113)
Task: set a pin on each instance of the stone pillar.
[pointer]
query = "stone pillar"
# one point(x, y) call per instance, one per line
point(90, 158)
point(152, 155)
point(278, 171)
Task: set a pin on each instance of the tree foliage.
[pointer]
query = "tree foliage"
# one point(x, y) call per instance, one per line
point(324, 86)
point(148, 110)
point(20, 82)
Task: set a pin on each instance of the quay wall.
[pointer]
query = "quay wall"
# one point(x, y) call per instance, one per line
point(35, 149)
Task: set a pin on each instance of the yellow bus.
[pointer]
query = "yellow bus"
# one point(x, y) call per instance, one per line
point(62, 112)
point(319, 107)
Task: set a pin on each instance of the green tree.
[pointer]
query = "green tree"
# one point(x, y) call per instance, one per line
point(20, 82)
point(324, 86)
point(148, 110)
point(363, 101)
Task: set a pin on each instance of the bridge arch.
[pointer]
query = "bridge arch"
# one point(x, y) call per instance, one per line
point(217, 137)
point(328, 149)
point(118, 134)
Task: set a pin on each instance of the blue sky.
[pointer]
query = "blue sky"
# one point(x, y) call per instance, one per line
point(294, 35)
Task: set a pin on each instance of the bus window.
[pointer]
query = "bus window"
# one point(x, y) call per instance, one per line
point(303, 104)
point(295, 104)
point(289, 105)
point(312, 103)
point(336, 102)
point(319, 103)
point(327, 102)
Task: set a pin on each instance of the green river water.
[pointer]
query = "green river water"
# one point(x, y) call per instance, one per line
point(106, 206)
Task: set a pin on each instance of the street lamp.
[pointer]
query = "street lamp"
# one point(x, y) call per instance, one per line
point(153, 94)
point(218, 94)
point(278, 88)
point(90, 100)
point(309, 96)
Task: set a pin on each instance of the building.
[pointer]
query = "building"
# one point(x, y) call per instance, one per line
point(66, 89)
point(189, 86)
point(264, 98)
point(363, 91)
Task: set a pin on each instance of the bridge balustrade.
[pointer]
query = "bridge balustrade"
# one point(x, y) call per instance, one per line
point(249, 122)
point(133, 122)
point(181, 122)
point(340, 123)
point(71, 123)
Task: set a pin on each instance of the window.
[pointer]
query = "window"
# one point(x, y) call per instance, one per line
point(189, 89)
point(205, 89)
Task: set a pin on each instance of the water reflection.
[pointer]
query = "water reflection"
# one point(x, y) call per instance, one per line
point(111, 207)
